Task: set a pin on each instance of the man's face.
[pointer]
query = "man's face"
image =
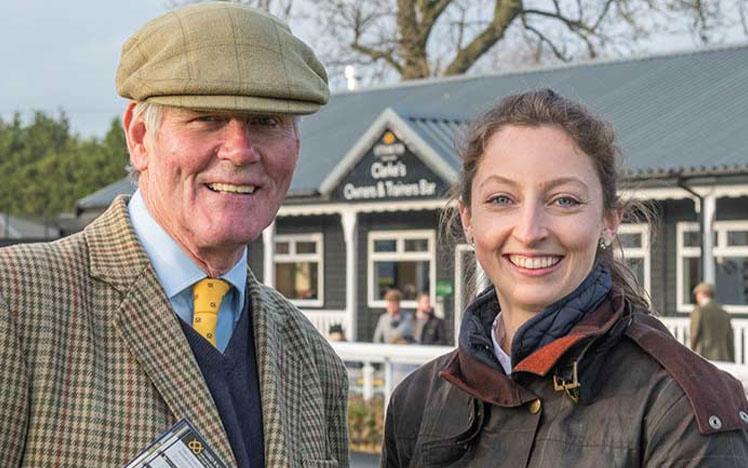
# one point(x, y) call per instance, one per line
point(215, 180)
point(424, 303)
point(393, 307)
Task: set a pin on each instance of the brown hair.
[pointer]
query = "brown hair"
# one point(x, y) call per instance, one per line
point(392, 295)
point(593, 135)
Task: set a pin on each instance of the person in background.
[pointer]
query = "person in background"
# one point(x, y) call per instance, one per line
point(394, 326)
point(336, 334)
point(428, 329)
point(150, 321)
point(711, 330)
point(559, 362)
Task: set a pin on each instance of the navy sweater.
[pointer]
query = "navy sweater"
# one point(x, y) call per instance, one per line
point(233, 382)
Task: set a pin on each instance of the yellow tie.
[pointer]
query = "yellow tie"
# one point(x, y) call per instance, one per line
point(207, 294)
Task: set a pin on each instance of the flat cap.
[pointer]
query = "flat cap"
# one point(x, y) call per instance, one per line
point(222, 56)
point(706, 288)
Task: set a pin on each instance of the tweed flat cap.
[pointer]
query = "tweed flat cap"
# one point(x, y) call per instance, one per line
point(222, 56)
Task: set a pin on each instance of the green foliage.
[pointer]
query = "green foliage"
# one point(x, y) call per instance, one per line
point(44, 169)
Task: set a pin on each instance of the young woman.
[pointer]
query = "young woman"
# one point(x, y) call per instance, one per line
point(559, 363)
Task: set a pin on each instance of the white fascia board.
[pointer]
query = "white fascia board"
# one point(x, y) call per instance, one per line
point(388, 119)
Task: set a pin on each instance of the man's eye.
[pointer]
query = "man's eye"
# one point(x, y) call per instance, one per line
point(210, 118)
point(265, 121)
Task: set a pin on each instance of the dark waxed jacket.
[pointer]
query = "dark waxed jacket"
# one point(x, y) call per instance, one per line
point(711, 332)
point(644, 400)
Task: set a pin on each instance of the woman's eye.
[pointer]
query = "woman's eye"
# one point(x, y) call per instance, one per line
point(566, 202)
point(500, 200)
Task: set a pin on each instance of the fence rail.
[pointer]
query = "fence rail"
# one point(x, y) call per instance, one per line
point(377, 368)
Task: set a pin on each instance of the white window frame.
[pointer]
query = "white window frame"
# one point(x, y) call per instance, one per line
point(400, 255)
point(643, 252)
point(293, 257)
point(721, 228)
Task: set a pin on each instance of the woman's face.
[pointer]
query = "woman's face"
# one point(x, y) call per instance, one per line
point(536, 215)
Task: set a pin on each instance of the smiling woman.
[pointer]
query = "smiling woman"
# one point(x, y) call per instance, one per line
point(559, 359)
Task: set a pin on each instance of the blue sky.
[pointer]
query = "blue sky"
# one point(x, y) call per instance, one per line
point(64, 53)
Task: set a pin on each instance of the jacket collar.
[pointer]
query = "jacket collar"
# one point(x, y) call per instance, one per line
point(489, 384)
point(145, 320)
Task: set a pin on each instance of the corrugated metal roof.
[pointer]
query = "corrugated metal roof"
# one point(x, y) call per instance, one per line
point(103, 197)
point(672, 112)
point(13, 227)
point(677, 113)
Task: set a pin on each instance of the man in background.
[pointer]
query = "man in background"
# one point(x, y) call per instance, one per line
point(711, 331)
point(394, 326)
point(428, 329)
point(150, 321)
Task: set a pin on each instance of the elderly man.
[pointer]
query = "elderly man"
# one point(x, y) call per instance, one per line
point(711, 330)
point(149, 322)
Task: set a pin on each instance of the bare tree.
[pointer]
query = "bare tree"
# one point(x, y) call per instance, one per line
point(422, 38)
point(409, 39)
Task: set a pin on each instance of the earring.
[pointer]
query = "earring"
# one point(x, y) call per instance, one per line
point(603, 243)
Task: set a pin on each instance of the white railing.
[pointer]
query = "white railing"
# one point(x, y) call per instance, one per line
point(378, 368)
point(323, 319)
point(680, 328)
point(396, 362)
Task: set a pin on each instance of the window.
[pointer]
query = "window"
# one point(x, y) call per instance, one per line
point(402, 260)
point(298, 268)
point(730, 264)
point(634, 240)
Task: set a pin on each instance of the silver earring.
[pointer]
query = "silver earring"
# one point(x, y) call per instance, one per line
point(603, 243)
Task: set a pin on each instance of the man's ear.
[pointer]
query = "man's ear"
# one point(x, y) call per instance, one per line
point(135, 134)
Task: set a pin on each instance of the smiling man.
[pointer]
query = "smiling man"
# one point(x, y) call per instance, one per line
point(149, 323)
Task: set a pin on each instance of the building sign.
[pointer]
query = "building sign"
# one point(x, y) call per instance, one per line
point(389, 170)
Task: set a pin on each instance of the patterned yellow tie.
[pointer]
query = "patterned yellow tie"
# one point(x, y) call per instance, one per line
point(207, 294)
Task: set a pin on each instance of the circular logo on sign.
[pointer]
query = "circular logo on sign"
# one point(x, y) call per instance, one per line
point(388, 138)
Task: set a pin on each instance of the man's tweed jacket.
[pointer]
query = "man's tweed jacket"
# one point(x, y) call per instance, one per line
point(94, 364)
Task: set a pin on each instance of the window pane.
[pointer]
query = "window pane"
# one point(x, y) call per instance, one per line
point(416, 245)
point(636, 265)
point(691, 277)
point(281, 247)
point(408, 277)
point(385, 245)
point(691, 239)
point(306, 247)
point(297, 280)
point(737, 237)
point(732, 280)
point(630, 240)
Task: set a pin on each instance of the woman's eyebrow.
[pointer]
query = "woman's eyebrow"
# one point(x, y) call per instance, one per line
point(551, 184)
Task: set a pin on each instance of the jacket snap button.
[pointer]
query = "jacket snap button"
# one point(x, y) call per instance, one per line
point(715, 422)
point(535, 407)
point(744, 416)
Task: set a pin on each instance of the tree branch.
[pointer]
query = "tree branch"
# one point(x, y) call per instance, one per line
point(505, 11)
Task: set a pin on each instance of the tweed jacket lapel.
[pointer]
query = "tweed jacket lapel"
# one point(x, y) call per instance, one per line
point(149, 327)
point(280, 372)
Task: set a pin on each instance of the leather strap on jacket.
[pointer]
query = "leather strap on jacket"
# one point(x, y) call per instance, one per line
point(716, 397)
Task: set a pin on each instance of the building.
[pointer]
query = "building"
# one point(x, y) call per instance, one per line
point(375, 167)
point(15, 230)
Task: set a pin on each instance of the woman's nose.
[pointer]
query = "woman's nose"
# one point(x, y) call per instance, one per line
point(531, 225)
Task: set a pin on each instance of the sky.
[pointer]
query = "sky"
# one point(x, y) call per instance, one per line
point(63, 54)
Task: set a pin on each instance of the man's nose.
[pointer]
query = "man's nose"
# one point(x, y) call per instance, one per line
point(531, 225)
point(238, 145)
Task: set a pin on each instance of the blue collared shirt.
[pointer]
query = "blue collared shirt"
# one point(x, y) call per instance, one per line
point(177, 272)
